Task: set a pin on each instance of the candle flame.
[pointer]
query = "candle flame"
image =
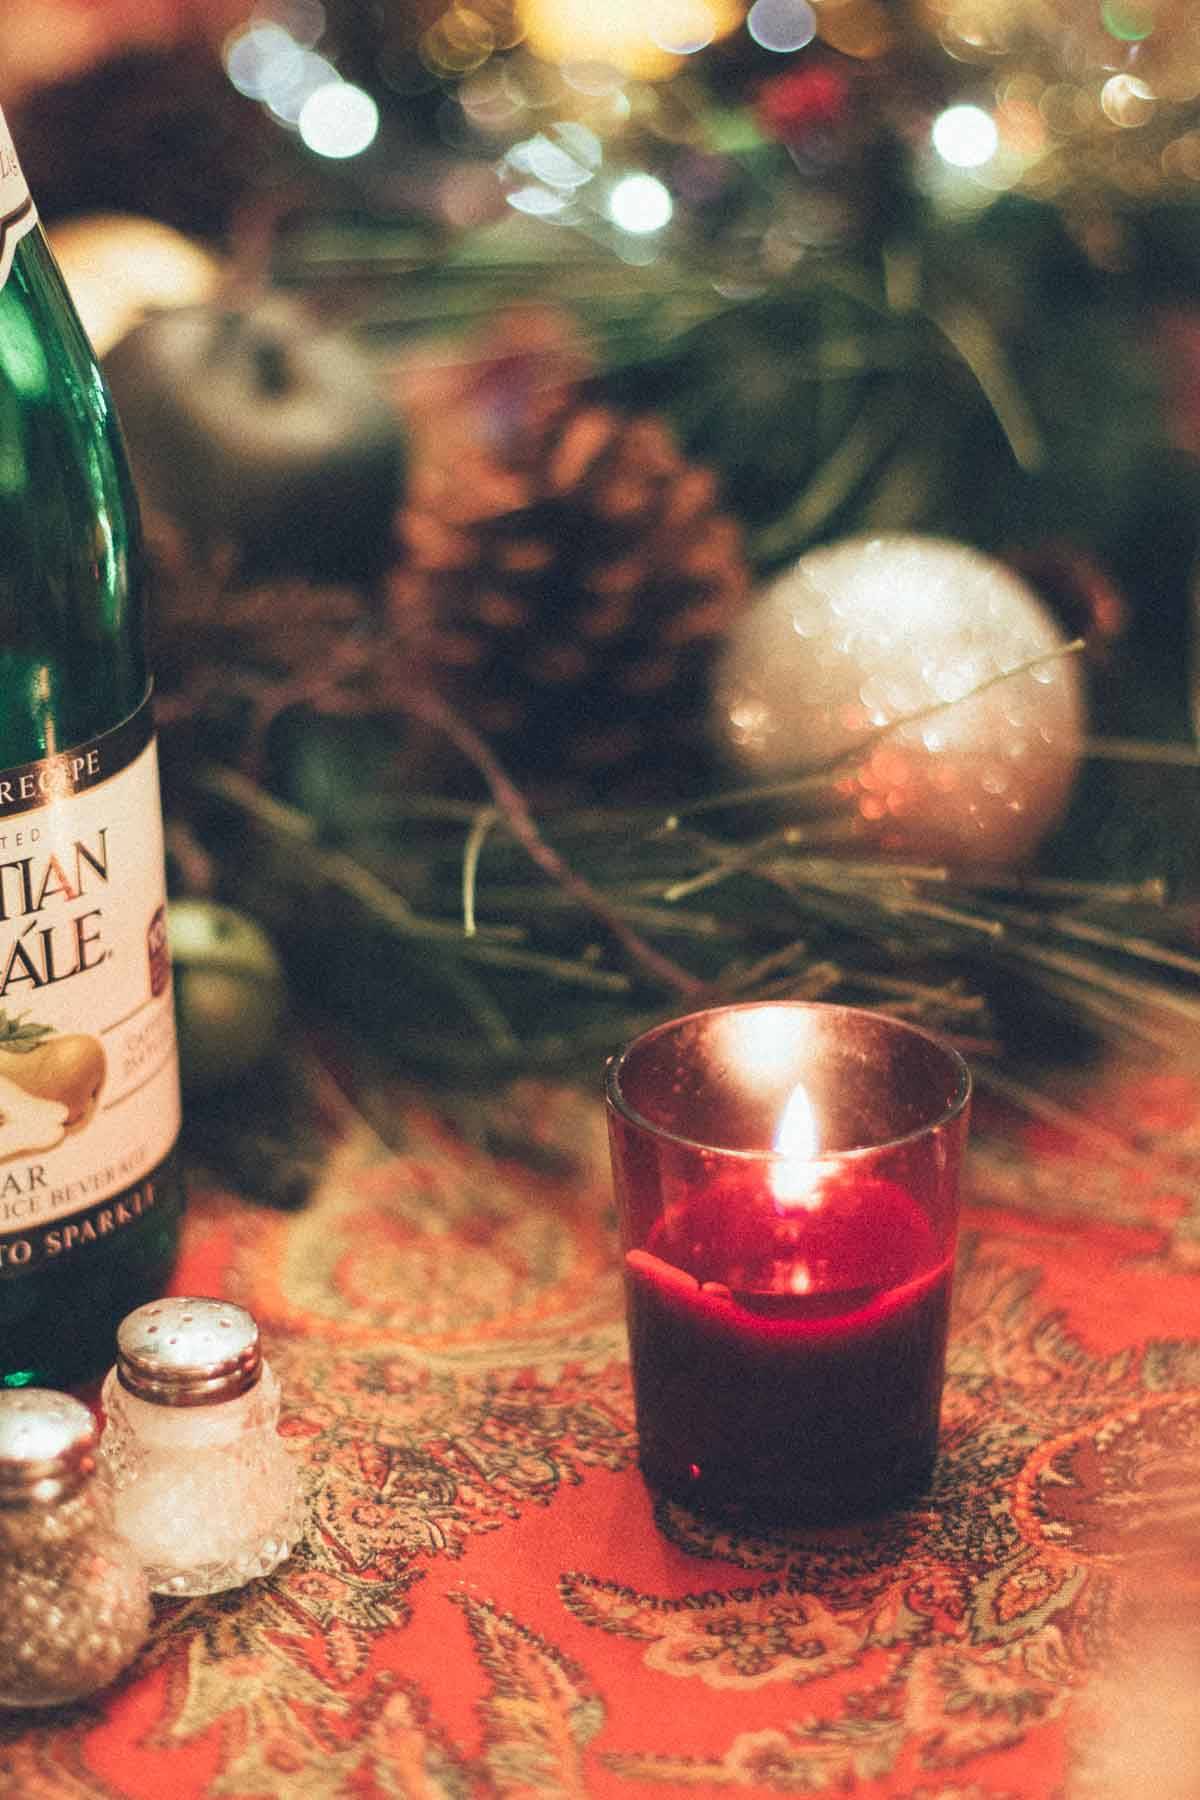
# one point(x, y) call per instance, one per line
point(800, 1281)
point(794, 1177)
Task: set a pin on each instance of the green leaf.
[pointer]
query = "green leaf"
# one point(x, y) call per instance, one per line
point(18, 1034)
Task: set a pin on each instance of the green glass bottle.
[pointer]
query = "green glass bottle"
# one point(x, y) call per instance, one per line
point(90, 1195)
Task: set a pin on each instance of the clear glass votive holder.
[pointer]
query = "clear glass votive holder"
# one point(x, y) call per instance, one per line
point(787, 1181)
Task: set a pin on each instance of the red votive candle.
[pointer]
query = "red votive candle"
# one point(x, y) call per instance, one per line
point(787, 1179)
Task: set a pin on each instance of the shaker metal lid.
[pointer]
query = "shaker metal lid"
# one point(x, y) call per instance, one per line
point(47, 1445)
point(188, 1352)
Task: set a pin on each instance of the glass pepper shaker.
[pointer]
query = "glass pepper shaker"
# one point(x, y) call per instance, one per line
point(203, 1486)
point(76, 1607)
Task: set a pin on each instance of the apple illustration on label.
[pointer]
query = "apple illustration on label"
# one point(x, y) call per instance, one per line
point(260, 428)
point(67, 1068)
point(27, 1122)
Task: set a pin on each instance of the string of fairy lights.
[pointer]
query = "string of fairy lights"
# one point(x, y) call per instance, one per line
point(1058, 97)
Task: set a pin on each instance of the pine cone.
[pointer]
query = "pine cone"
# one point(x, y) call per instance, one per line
point(564, 573)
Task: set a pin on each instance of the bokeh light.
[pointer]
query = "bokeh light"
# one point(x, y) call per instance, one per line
point(1051, 94)
point(536, 200)
point(1021, 126)
point(683, 27)
point(338, 120)
point(640, 204)
point(460, 41)
point(782, 25)
point(859, 28)
point(490, 101)
point(965, 136)
point(644, 38)
point(1127, 20)
point(598, 81)
point(1126, 102)
point(287, 99)
point(303, 20)
point(261, 56)
point(566, 156)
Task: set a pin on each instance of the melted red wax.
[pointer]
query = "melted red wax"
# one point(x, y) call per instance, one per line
point(806, 1379)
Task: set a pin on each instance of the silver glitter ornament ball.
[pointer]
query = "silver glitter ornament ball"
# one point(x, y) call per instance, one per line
point(859, 634)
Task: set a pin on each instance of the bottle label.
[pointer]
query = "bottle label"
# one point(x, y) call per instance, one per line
point(89, 1079)
point(17, 211)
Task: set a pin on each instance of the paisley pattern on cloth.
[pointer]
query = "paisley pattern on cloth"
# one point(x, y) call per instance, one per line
point(488, 1602)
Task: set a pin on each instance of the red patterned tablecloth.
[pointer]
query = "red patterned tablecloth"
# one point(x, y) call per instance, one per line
point(489, 1603)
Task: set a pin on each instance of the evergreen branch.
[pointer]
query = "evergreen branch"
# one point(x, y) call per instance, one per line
point(878, 427)
point(338, 870)
point(974, 342)
point(483, 822)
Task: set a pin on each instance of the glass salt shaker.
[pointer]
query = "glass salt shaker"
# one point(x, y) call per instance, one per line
point(76, 1607)
point(203, 1486)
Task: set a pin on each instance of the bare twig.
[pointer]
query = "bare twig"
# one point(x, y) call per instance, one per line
point(511, 805)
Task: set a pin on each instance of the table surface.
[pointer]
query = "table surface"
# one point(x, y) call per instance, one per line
point(489, 1602)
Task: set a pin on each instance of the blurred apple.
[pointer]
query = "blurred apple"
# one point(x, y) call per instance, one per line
point(230, 992)
point(261, 429)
